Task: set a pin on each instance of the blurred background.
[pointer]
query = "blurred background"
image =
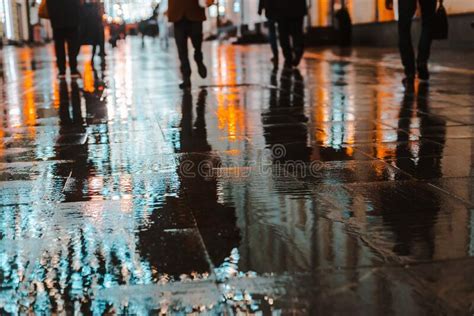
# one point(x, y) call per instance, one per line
point(237, 20)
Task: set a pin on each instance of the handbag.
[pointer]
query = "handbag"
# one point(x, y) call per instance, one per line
point(440, 23)
point(43, 10)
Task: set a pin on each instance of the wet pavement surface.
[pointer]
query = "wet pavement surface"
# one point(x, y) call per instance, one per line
point(329, 190)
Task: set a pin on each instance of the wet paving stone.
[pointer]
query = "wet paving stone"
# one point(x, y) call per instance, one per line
point(32, 191)
point(334, 151)
point(435, 167)
point(324, 190)
point(455, 146)
point(397, 227)
point(18, 171)
point(71, 139)
point(191, 296)
point(416, 122)
point(339, 172)
point(160, 250)
point(274, 222)
point(441, 132)
point(405, 149)
point(459, 187)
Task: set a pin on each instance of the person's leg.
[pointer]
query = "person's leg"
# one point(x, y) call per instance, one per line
point(284, 34)
point(181, 38)
point(196, 39)
point(406, 10)
point(273, 39)
point(59, 46)
point(73, 46)
point(297, 36)
point(428, 9)
point(102, 42)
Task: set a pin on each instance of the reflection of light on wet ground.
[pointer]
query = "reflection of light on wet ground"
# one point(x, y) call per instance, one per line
point(230, 114)
point(97, 214)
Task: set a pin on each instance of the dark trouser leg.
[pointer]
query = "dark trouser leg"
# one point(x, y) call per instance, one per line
point(406, 10)
point(102, 43)
point(76, 104)
point(297, 36)
point(273, 37)
point(73, 47)
point(59, 46)
point(181, 37)
point(196, 40)
point(64, 103)
point(428, 9)
point(284, 33)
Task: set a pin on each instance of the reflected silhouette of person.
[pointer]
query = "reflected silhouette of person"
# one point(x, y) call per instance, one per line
point(426, 162)
point(71, 143)
point(96, 103)
point(193, 135)
point(433, 130)
point(70, 114)
point(413, 230)
point(216, 222)
point(285, 122)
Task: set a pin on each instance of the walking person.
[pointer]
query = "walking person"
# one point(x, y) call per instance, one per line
point(188, 16)
point(163, 23)
point(65, 20)
point(290, 17)
point(412, 64)
point(272, 30)
point(92, 28)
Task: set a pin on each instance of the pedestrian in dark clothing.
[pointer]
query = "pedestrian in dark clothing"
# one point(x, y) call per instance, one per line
point(92, 28)
point(406, 11)
point(187, 16)
point(290, 17)
point(65, 20)
point(272, 30)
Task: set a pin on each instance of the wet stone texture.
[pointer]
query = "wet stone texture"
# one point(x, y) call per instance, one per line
point(328, 190)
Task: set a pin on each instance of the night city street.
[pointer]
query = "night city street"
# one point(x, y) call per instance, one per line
point(325, 190)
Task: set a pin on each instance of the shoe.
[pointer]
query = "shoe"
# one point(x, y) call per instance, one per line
point(185, 85)
point(75, 74)
point(423, 72)
point(288, 64)
point(202, 70)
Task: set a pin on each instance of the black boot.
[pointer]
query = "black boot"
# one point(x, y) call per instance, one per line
point(202, 70)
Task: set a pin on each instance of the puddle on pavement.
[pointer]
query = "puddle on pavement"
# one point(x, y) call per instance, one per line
point(263, 193)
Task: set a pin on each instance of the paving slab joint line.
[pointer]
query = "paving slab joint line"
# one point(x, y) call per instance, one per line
point(470, 204)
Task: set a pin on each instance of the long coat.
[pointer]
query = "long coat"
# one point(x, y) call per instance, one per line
point(92, 29)
point(64, 13)
point(189, 9)
point(263, 6)
point(286, 9)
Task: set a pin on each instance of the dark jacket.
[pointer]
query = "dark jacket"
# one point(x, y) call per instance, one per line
point(64, 13)
point(189, 9)
point(285, 9)
point(263, 6)
point(92, 29)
